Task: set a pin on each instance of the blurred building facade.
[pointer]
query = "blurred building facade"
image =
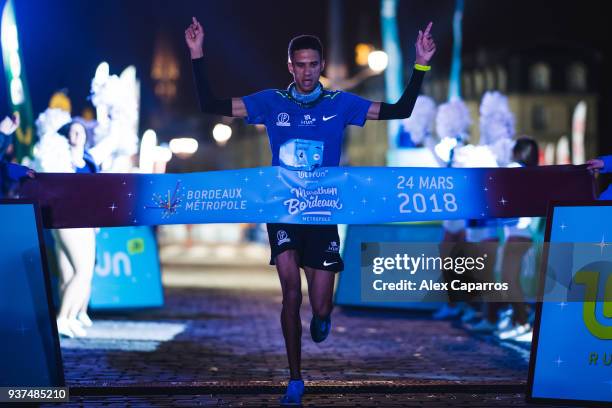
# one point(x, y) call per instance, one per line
point(544, 85)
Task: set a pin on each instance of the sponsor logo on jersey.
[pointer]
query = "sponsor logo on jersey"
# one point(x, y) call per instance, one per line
point(283, 119)
point(308, 120)
point(326, 118)
point(333, 247)
point(282, 237)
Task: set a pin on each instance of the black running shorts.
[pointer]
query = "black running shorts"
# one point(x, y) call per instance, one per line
point(318, 246)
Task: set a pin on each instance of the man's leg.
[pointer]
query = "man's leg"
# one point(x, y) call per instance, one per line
point(289, 274)
point(320, 291)
point(321, 260)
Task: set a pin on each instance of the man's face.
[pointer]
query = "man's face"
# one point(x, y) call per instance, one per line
point(306, 67)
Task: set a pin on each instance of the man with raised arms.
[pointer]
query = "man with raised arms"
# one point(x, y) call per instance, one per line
point(305, 125)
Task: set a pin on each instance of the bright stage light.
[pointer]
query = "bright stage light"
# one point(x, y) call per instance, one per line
point(10, 40)
point(149, 136)
point(378, 61)
point(162, 154)
point(222, 133)
point(147, 145)
point(183, 146)
point(17, 94)
point(15, 64)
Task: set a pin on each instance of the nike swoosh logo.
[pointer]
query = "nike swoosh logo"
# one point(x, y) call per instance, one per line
point(326, 118)
point(325, 263)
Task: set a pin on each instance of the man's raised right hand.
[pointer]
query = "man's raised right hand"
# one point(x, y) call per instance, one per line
point(194, 38)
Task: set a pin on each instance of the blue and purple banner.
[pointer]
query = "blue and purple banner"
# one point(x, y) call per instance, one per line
point(335, 195)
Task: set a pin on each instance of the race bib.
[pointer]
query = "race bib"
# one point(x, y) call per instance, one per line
point(300, 154)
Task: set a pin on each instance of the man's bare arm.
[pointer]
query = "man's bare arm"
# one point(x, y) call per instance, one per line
point(239, 108)
point(374, 111)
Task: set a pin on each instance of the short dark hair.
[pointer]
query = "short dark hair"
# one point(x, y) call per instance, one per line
point(305, 42)
point(526, 151)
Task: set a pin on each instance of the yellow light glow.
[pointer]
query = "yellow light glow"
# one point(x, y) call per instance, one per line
point(362, 51)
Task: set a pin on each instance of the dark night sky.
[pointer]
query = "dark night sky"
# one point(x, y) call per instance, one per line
point(62, 41)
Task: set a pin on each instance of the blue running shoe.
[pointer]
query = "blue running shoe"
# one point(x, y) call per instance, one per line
point(293, 396)
point(319, 328)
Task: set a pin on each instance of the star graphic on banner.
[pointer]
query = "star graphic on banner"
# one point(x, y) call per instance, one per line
point(602, 245)
point(383, 198)
point(355, 187)
point(345, 173)
point(124, 183)
point(562, 305)
point(352, 212)
point(260, 210)
point(563, 226)
point(490, 178)
point(268, 185)
point(22, 329)
point(130, 195)
point(503, 201)
point(364, 201)
point(246, 179)
point(558, 361)
point(261, 172)
point(369, 179)
point(113, 207)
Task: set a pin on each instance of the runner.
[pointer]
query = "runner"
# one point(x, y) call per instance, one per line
point(305, 124)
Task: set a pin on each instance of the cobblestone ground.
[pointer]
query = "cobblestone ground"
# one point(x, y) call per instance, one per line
point(318, 400)
point(220, 347)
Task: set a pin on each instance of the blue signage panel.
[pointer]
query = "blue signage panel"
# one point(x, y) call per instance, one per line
point(572, 349)
point(127, 273)
point(349, 290)
point(29, 346)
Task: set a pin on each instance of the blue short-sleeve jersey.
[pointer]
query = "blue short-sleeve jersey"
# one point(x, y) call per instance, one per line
point(323, 121)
